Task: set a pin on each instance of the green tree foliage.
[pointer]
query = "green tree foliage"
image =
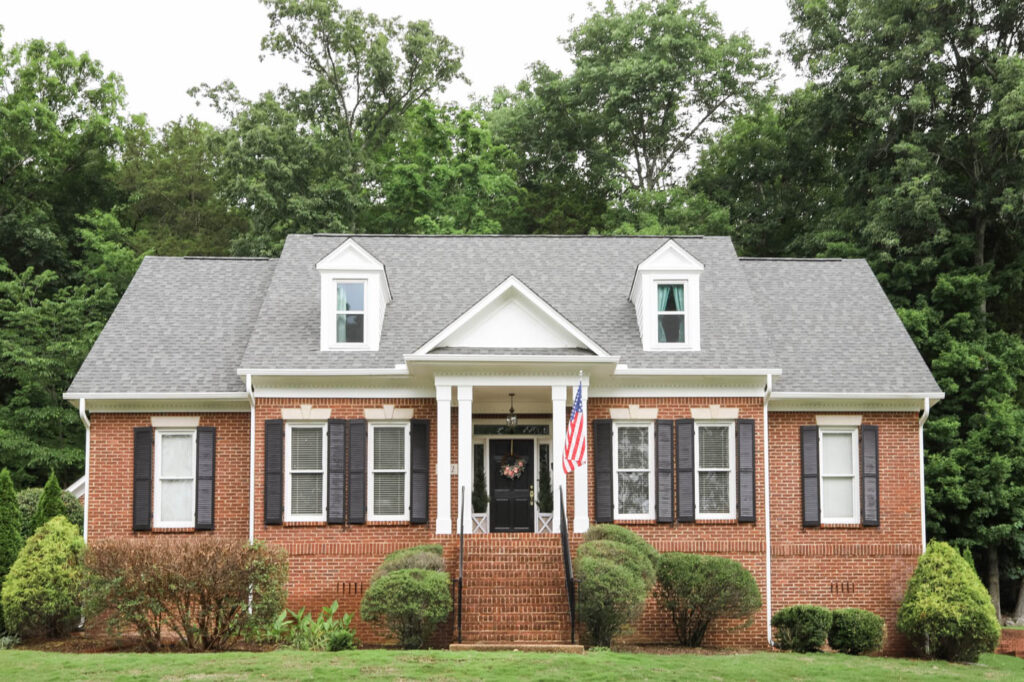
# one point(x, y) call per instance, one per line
point(50, 503)
point(11, 539)
point(28, 500)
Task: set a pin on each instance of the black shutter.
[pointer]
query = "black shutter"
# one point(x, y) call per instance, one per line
point(745, 496)
point(811, 482)
point(142, 490)
point(603, 507)
point(684, 455)
point(336, 471)
point(419, 462)
point(206, 449)
point(357, 471)
point(273, 472)
point(663, 471)
point(869, 475)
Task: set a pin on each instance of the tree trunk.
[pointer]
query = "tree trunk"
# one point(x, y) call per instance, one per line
point(1018, 611)
point(993, 579)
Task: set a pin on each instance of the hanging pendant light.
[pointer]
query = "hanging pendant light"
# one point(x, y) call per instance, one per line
point(511, 420)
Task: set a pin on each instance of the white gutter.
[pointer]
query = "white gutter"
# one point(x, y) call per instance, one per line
point(213, 395)
point(85, 505)
point(920, 426)
point(859, 396)
point(767, 518)
point(369, 371)
point(532, 359)
point(252, 455)
point(623, 370)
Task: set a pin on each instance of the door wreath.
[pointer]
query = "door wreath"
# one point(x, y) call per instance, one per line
point(512, 467)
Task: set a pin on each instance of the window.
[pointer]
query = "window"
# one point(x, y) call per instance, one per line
point(840, 490)
point(389, 472)
point(631, 458)
point(716, 472)
point(350, 311)
point(672, 313)
point(174, 498)
point(305, 465)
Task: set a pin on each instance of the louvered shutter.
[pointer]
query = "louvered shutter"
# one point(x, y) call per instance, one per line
point(663, 472)
point(336, 471)
point(745, 496)
point(869, 475)
point(206, 450)
point(419, 462)
point(273, 472)
point(357, 471)
point(809, 474)
point(603, 503)
point(142, 487)
point(684, 463)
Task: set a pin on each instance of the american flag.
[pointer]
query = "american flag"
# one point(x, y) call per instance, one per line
point(576, 439)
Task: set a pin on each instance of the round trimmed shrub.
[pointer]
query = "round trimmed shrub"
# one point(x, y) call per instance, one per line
point(802, 628)
point(609, 531)
point(856, 631)
point(42, 591)
point(627, 556)
point(28, 500)
point(410, 603)
point(946, 612)
point(610, 597)
point(424, 557)
point(696, 589)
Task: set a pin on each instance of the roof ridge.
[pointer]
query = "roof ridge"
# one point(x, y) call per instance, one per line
point(798, 260)
point(242, 258)
point(516, 236)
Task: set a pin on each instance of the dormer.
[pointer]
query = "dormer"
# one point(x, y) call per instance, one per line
point(666, 294)
point(353, 295)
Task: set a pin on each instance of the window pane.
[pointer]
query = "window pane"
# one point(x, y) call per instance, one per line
point(714, 492)
point(307, 493)
point(350, 296)
point(713, 447)
point(670, 298)
point(389, 448)
point(350, 328)
point(633, 497)
point(307, 449)
point(837, 497)
point(671, 328)
point(633, 449)
point(837, 453)
point(176, 501)
point(176, 458)
point(389, 494)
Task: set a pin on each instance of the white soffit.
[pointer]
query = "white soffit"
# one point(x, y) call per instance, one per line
point(351, 257)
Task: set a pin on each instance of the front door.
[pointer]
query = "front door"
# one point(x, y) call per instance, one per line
point(511, 462)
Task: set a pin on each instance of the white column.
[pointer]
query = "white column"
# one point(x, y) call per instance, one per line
point(465, 395)
point(581, 516)
point(557, 452)
point(444, 460)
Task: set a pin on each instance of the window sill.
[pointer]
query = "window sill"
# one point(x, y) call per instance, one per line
point(397, 522)
point(635, 522)
point(303, 524)
point(171, 531)
point(846, 525)
point(717, 522)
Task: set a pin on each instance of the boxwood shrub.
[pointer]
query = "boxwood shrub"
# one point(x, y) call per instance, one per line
point(28, 500)
point(609, 531)
point(803, 628)
point(627, 556)
point(426, 557)
point(410, 603)
point(856, 631)
point(610, 597)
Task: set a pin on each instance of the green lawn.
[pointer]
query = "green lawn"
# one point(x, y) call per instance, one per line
point(23, 664)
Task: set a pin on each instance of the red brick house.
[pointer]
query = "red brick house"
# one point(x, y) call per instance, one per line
point(341, 400)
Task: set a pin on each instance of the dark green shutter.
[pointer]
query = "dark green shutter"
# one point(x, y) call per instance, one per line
point(142, 487)
point(419, 463)
point(273, 472)
point(809, 475)
point(869, 475)
point(603, 503)
point(745, 497)
point(206, 449)
point(684, 457)
point(357, 471)
point(336, 471)
point(663, 488)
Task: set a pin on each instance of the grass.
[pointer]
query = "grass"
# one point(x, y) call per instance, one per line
point(384, 664)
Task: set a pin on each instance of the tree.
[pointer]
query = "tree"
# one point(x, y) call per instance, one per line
point(10, 524)
point(50, 504)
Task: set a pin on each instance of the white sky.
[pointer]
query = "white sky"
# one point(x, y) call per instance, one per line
point(161, 49)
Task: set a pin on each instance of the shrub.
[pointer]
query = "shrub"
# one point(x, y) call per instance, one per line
point(697, 590)
point(28, 500)
point(627, 556)
point(856, 631)
point(410, 603)
point(545, 498)
point(608, 531)
point(41, 593)
point(946, 612)
point(323, 633)
point(803, 628)
point(610, 597)
point(480, 498)
point(198, 587)
point(11, 540)
point(49, 504)
point(425, 557)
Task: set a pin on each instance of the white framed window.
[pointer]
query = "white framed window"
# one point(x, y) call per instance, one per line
point(840, 475)
point(305, 487)
point(350, 312)
point(388, 490)
point(174, 495)
point(671, 302)
point(715, 482)
point(633, 473)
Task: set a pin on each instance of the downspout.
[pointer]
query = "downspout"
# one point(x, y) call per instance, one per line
point(920, 426)
point(88, 426)
point(252, 454)
point(767, 519)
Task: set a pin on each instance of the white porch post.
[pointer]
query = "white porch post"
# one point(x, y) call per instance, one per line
point(557, 452)
point(581, 516)
point(444, 460)
point(465, 395)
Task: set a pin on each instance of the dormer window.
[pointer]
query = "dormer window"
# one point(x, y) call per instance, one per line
point(666, 293)
point(354, 295)
point(672, 313)
point(351, 316)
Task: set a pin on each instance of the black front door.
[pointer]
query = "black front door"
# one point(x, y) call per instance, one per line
point(511, 486)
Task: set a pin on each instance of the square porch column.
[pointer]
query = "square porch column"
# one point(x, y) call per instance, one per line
point(557, 452)
point(465, 396)
point(581, 513)
point(444, 460)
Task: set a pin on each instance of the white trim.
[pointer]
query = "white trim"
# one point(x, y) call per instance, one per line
point(795, 395)
point(158, 436)
point(289, 517)
point(370, 472)
point(174, 422)
point(767, 514)
point(85, 503)
point(77, 488)
point(383, 393)
point(920, 434)
point(211, 395)
point(331, 341)
point(731, 426)
point(532, 359)
point(650, 515)
point(625, 370)
point(838, 419)
point(335, 262)
point(690, 314)
point(443, 402)
point(854, 434)
point(252, 458)
point(398, 370)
